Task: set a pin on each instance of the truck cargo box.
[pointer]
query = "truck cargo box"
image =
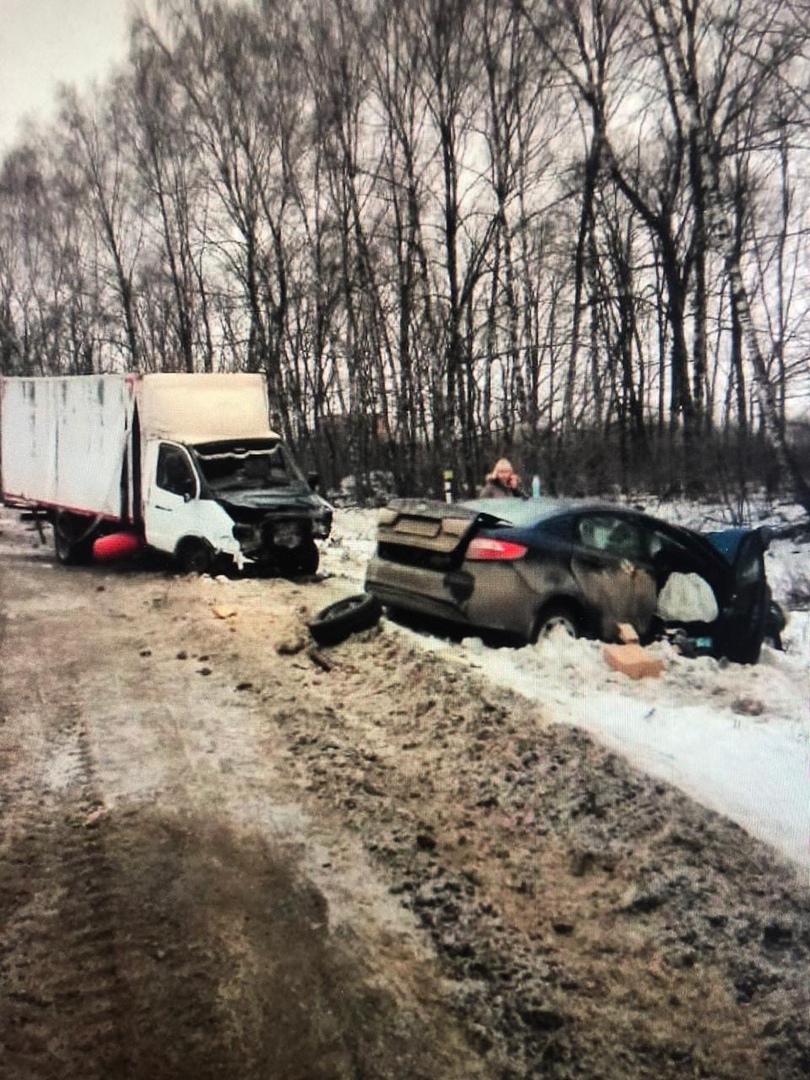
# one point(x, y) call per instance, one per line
point(63, 441)
point(203, 408)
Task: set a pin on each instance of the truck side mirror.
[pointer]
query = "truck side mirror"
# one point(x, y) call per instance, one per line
point(187, 488)
point(313, 480)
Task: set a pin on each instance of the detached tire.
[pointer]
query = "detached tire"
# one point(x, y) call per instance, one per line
point(336, 622)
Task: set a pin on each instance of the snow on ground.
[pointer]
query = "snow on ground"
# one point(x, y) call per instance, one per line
point(736, 738)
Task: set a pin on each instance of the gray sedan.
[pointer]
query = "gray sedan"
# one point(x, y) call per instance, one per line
point(524, 567)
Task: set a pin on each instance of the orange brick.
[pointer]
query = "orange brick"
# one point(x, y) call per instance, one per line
point(632, 660)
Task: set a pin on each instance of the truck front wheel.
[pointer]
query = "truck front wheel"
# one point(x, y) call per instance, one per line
point(195, 556)
point(308, 559)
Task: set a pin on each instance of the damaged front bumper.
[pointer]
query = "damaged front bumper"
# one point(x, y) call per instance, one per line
point(277, 539)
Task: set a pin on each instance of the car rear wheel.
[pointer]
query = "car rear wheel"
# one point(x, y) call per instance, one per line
point(555, 618)
point(349, 616)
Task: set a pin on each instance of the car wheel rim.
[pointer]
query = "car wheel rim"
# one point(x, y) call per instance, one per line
point(558, 623)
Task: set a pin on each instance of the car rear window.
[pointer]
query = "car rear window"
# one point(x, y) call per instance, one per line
point(516, 511)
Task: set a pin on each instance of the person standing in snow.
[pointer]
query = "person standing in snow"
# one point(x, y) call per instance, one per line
point(502, 482)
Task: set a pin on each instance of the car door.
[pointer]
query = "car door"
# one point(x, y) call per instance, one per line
point(174, 508)
point(611, 566)
point(745, 605)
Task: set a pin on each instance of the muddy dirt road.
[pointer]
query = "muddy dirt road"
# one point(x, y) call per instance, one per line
point(225, 855)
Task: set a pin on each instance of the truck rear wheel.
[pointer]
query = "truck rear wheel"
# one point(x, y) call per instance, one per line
point(73, 539)
point(62, 546)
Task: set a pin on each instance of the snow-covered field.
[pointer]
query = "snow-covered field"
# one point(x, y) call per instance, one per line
point(736, 738)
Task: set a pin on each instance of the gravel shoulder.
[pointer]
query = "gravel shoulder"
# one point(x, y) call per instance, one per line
point(227, 853)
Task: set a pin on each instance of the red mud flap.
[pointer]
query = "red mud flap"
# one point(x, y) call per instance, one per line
point(120, 545)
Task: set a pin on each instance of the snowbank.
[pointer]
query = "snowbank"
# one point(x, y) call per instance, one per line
point(736, 738)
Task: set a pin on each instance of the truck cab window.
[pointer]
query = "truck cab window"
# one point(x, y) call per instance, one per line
point(256, 465)
point(174, 471)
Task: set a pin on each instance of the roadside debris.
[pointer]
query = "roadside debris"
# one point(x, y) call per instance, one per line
point(319, 659)
point(630, 658)
point(345, 617)
point(295, 642)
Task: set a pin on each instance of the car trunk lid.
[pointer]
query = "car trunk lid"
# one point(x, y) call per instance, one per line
point(421, 546)
point(423, 531)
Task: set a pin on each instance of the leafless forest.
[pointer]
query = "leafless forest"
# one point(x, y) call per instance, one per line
point(572, 230)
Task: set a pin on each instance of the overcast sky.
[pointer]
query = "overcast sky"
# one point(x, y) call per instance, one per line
point(47, 42)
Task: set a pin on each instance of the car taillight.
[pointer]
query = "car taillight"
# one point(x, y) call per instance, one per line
point(486, 549)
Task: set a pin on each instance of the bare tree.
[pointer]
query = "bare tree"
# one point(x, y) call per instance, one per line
point(756, 55)
point(437, 226)
point(93, 148)
point(229, 64)
point(395, 70)
point(521, 120)
point(48, 322)
point(175, 198)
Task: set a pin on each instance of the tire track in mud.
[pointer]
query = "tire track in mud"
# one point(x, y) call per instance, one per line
point(155, 916)
point(54, 1013)
point(80, 930)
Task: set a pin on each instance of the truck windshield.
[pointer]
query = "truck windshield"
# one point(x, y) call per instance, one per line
point(254, 465)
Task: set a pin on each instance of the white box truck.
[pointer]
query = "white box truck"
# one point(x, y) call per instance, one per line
point(184, 464)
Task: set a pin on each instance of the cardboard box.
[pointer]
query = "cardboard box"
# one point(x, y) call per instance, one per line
point(634, 661)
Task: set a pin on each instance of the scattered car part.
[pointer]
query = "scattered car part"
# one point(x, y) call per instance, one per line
point(348, 616)
point(633, 660)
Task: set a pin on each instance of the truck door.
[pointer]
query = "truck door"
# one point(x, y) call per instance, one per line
point(174, 510)
point(172, 489)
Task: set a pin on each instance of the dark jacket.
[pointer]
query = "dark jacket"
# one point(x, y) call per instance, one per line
point(494, 489)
